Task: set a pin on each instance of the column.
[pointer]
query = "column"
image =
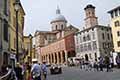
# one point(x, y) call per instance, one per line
point(57, 58)
point(61, 53)
point(66, 57)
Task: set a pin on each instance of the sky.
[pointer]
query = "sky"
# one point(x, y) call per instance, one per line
point(39, 13)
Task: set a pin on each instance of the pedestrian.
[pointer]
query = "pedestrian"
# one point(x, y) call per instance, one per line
point(101, 63)
point(118, 60)
point(111, 63)
point(18, 71)
point(28, 71)
point(80, 62)
point(44, 70)
point(12, 75)
point(35, 70)
point(107, 62)
point(96, 65)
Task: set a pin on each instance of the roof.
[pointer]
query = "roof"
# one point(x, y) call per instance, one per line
point(58, 16)
point(45, 32)
point(118, 7)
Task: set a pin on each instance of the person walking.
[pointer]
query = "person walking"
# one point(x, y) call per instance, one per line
point(107, 62)
point(96, 66)
point(101, 63)
point(111, 63)
point(35, 70)
point(18, 71)
point(118, 60)
point(44, 70)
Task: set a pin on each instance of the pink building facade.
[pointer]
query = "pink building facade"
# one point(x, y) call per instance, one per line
point(58, 52)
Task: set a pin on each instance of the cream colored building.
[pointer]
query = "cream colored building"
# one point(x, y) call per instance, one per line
point(28, 49)
point(12, 30)
point(94, 40)
point(115, 24)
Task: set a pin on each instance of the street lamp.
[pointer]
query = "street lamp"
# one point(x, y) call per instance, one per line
point(17, 7)
point(30, 36)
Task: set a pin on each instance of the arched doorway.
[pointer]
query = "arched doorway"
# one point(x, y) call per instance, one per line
point(63, 56)
point(52, 59)
point(55, 58)
point(49, 59)
point(86, 57)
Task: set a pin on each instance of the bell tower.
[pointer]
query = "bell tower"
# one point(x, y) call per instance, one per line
point(91, 19)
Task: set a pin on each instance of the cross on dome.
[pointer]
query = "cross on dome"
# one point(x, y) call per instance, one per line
point(58, 10)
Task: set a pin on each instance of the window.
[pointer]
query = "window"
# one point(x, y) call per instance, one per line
point(80, 39)
point(89, 46)
point(92, 29)
point(118, 33)
point(5, 7)
point(81, 48)
point(93, 35)
point(84, 39)
point(108, 36)
point(94, 45)
point(102, 28)
point(56, 27)
point(116, 13)
point(118, 43)
point(103, 36)
point(90, 56)
point(62, 26)
point(5, 30)
point(88, 37)
point(119, 12)
point(117, 23)
point(112, 15)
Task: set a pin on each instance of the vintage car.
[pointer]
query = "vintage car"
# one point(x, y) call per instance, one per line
point(55, 69)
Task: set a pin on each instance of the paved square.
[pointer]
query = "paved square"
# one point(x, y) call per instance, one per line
point(74, 73)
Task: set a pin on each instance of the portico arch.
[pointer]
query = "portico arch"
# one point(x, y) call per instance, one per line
point(55, 58)
point(59, 57)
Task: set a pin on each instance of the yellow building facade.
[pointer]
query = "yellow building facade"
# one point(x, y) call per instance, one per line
point(115, 24)
point(12, 29)
point(28, 48)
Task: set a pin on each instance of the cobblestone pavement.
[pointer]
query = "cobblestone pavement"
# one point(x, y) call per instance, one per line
point(74, 73)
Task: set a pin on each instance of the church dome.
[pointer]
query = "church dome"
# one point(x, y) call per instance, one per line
point(58, 17)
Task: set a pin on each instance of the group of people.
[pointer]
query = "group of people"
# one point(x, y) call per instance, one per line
point(35, 71)
point(99, 64)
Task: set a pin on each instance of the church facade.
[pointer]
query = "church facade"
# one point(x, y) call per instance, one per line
point(58, 45)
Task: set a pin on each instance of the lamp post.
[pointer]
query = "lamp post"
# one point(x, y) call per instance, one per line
point(30, 36)
point(17, 7)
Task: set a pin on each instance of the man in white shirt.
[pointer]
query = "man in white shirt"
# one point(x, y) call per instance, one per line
point(36, 70)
